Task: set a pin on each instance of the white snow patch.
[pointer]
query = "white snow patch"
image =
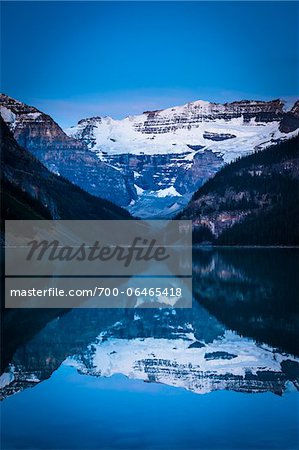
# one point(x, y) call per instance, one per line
point(6, 378)
point(170, 191)
point(33, 115)
point(139, 190)
point(7, 115)
point(33, 378)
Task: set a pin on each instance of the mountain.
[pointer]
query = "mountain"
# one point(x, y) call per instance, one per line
point(38, 133)
point(29, 191)
point(32, 191)
point(167, 155)
point(196, 124)
point(252, 201)
point(180, 348)
point(152, 163)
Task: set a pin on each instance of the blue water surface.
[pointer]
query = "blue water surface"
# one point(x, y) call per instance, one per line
point(74, 411)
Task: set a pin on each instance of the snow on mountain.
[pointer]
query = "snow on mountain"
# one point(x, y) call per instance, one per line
point(171, 191)
point(231, 129)
point(166, 155)
point(154, 162)
point(230, 362)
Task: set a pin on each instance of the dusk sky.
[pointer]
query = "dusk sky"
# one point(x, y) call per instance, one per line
point(75, 59)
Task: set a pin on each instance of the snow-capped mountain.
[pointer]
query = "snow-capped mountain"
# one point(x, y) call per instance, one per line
point(189, 128)
point(166, 155)
point(151, 163)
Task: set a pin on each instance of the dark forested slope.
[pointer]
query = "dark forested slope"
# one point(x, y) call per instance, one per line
point(252, 201)
point(30, 190)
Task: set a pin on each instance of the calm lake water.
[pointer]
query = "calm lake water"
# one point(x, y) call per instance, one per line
point(222, 375)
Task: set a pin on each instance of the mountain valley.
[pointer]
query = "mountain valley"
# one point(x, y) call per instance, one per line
point(153, 163)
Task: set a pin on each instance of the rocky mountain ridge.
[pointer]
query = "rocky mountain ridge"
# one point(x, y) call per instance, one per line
point(33, 129)
point(154, 132)
point(168, 154)
point(193, 113)
point(41, 136)
point(26, 180)
point(152, 163)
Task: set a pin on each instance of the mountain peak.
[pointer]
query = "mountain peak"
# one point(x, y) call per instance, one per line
point(194, 125)
point(42, 136)
point(156, 159)
point(90, 120)
point(16, 106)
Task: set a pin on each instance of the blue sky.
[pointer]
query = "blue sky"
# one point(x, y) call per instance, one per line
point(75, 59)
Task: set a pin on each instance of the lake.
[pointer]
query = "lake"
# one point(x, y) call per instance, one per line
point(222, 375)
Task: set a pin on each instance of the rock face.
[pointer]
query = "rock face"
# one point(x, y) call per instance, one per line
point(160, 185)
point(167, 155)
point(290, 121)
point(192, 114)
point(26, 181)
point(33, 129)
point(61, 154)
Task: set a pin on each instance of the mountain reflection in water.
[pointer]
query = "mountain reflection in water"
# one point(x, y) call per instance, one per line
point(240, 334)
